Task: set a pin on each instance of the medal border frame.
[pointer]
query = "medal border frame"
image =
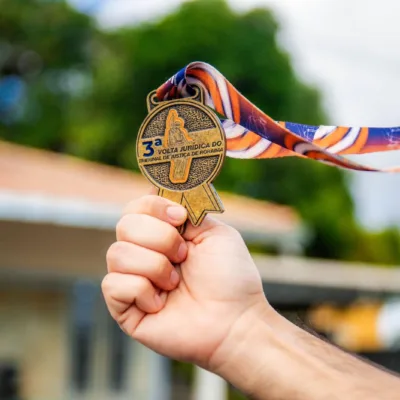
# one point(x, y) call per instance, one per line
point(188, 101)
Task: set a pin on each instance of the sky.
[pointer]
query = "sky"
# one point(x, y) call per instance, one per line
point(350, 50)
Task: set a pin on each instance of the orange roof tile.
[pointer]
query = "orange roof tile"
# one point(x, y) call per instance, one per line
point(31, 171)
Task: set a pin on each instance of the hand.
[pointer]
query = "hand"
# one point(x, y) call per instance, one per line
point(179, 296)
point(214, 313)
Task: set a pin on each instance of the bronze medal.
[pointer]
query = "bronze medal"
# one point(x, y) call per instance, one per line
point(180, 149)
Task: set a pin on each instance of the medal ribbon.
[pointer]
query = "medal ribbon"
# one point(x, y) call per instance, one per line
point(252, 134)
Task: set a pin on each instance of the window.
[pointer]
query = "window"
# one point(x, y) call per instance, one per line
point(119, 355)
point(84, 297)
point(9, 385)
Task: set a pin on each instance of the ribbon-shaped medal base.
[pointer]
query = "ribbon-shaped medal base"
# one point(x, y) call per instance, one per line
point(252, 134)
point(198, 201)
point(203, 198)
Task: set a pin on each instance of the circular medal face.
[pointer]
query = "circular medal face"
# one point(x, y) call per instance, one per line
point(181, 145)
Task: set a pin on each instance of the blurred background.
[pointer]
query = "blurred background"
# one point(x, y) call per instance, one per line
point(74, 76)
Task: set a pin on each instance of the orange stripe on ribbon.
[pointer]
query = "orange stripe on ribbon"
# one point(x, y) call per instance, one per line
point(271, 152)
point(243, 142)
point(234, 102)
point(212, 87)
point(334, 137)
point(291, 140)
point(358, 144)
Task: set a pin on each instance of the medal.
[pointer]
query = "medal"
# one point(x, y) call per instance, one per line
point(197, 115)
point(180, 149)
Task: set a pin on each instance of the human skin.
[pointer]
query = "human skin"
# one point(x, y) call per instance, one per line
point(199, 298)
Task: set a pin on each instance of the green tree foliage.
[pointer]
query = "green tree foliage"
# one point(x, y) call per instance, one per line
point(85, 91)
point(378, 247)
point(46, 45)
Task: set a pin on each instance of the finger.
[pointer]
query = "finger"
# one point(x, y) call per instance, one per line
point(122, 292)
point(158, 207)
point(209, 226)
point(129, 258)
point(153, 234)
point(154, 190)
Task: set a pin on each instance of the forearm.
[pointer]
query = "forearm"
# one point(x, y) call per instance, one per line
point(268, 358)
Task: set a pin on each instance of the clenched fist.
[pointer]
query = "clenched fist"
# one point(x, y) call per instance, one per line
point(180, 296)
point(199, 298)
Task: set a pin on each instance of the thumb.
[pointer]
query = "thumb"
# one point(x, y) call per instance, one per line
point(208, 225)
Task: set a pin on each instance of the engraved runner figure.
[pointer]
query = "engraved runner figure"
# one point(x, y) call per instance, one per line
point(176, 135)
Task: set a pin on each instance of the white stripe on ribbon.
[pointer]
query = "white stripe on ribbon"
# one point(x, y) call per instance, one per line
point(207, 98)
point(223, 89)
point(184, 92)
point(323, 131)
point(253, 152)
point(303, 148)
point(180, 86)
point(233, 130)
point(346, 142)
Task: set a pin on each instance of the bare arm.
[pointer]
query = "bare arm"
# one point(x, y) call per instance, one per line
point(269, 358)
point(211, 310)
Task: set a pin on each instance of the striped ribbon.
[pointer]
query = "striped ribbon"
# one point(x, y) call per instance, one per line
point(252, 134)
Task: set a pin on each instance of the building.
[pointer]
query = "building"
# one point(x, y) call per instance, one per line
point(57, 220)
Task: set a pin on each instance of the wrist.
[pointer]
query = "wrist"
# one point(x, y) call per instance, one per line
point(264, 356)
point(239, 359)
point(267, 357)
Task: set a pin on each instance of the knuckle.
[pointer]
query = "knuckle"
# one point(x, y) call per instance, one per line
point(114, 253)
point(146, 204)
point(171, 237)
point(234, 232)
point(121, 226)
point(162, 266)
point(134, 206)
point(143, 285)
point(124, 225)
point(106, 285)
point(130, 207)
point(151, 199)
point(151, 205)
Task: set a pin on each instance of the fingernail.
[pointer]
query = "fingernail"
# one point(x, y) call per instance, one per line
point(176, 213)
point(174, 278)
point(182, 251)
